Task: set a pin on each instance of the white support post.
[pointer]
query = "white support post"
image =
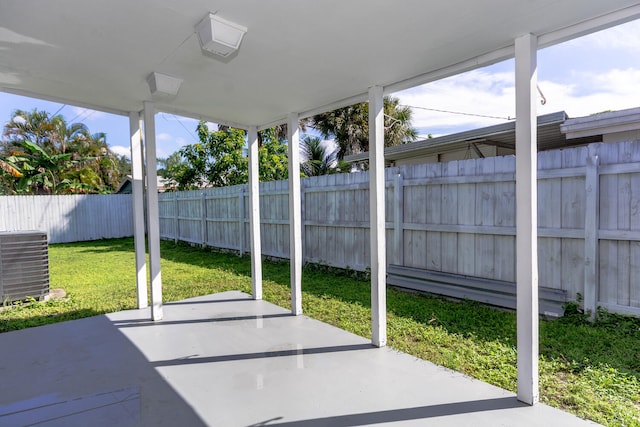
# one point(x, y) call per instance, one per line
point(527, 218)
point(295, 215)
point(377, 218)
point(153, 217)
point(254, 213)
point(137, 193)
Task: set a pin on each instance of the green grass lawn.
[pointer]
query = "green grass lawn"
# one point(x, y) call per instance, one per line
point(592, 370)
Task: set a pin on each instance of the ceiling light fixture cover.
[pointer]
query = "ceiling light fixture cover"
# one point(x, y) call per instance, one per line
point(219, 36)
point(163, 85)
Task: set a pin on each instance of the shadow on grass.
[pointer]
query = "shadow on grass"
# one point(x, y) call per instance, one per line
point(100, 246)
point(22, 322)
point(466, 318)
point(205, 258)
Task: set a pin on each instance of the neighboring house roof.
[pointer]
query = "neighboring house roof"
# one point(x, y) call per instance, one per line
point(125, 186)
point(603, 123)
point(502, 135)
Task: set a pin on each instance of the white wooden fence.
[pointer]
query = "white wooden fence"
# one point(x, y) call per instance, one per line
point(456, 217)
point(69, 218)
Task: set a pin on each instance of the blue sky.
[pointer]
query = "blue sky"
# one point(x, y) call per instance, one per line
point(595, 73)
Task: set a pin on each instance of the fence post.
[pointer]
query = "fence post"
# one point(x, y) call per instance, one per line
point(176, 228)
point(205, 233)
point(591, 242)
point(398, 218)
point(241, 218)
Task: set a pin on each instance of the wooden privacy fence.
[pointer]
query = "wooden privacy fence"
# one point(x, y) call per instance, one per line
point(69, 218)
point(456, 217)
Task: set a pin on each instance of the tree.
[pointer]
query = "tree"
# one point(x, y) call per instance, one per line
point(219, 159)
point(166, 164)
point(63, 137)
point(349, 126)
point(34, 171)
point(89, 167)
point(319, 158)
point(34, 126)
point(273, 161)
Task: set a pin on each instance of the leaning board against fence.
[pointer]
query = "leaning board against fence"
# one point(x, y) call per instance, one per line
point(456, 217)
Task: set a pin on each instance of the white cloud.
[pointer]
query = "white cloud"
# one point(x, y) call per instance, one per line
point(121, 150)
point(576, 80)
point(164, 137)
point(19, 120)
point(474, 94)
point(181, 141)
point(161, 154)
point(483, 93)
point(592, 93)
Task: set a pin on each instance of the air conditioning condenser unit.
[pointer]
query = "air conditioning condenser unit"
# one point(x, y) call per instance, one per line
point(24, 265)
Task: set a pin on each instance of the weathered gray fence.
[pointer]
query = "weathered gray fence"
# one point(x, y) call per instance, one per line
point(69, 218)
point(456, 217)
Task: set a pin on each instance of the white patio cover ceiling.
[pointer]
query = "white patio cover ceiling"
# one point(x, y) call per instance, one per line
point(297, 56)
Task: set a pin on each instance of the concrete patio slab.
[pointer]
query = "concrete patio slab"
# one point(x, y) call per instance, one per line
point(227, 360)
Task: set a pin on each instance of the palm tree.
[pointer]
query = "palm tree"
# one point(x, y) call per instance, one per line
point(349, 126)
point(93, 167)
point(34, 126)
point(89, 145)
point(64, 137)
point(319, 159)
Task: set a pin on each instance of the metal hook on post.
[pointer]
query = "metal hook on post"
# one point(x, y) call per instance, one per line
point(543, 101)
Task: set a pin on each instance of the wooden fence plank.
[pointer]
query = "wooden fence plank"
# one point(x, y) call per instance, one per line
point(466, 216)
point(505, 216)
point(449, 215)
point(433, 197)
point(484, 215)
